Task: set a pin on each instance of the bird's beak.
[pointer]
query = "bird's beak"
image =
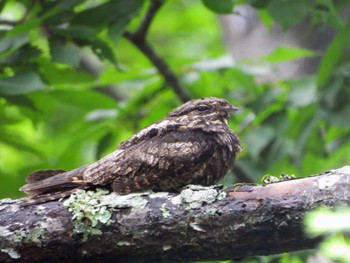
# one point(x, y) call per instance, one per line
point(234, 108)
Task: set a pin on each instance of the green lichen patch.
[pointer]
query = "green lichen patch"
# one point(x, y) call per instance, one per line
point(13, 253)
point(123, 243)
point(35, 235)
point(10, 238)
point(88, 211)
point(165, 212)
point(269, 179)
point(194, 196)
point(91, 209)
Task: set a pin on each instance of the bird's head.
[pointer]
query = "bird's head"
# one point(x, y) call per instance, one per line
point(209, 109)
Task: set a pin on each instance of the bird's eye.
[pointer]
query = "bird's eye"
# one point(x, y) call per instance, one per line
point(202, 108)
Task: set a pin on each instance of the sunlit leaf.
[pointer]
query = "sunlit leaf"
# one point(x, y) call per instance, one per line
point(331, 58)
point(283, 54)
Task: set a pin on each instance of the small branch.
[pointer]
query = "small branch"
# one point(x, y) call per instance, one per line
point(200, 223)
point(138, 38)
point(164, 70)
point(141, 32)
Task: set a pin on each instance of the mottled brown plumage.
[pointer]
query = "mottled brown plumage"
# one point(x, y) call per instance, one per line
point(193, 144)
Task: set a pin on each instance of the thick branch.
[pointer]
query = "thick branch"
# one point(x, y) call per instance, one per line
point(200, 223)
point(138, 38)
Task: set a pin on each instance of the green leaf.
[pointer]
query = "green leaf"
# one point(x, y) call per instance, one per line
point(338, 118)
point(116, 29)
point(66, 54)
point(330, 59)
point(104, 51)
point(10, 44)
point(221, 6)
point(308, 120)
point(279, 148)
point(22, 101)
point(288, 13)
point(266, 19)
point(65, 77)
point(258, 138)
point(2, 5)
point(79, 32)
point(259, 4)
point(283, 54)
point(21, 84)
point(104, 14)
point(303, 92)
point(23, 56)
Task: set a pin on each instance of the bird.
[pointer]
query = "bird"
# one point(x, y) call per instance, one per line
point(192, 144)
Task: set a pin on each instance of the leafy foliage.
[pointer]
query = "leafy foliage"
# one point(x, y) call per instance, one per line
point(72, 87)
point(334, 226)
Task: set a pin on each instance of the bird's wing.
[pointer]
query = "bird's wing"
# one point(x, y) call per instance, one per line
point(159, 160)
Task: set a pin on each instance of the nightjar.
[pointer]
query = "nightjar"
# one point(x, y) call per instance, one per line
point(193, 144)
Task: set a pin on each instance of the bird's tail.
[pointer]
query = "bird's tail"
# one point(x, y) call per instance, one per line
point(43, 198)
point(49, 185)
point(48, 181)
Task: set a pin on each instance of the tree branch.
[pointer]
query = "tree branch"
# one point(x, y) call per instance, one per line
point(138, 38)
point(140, 33)
point(200, 223)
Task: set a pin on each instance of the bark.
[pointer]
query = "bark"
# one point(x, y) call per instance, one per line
point(200, 223)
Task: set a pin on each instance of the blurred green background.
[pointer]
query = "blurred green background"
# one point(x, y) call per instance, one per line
point(72, 86)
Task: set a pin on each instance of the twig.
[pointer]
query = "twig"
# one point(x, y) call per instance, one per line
point(138, 38)
point(141, 32)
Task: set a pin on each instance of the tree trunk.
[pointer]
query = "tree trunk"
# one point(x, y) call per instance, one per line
point(200, 223)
